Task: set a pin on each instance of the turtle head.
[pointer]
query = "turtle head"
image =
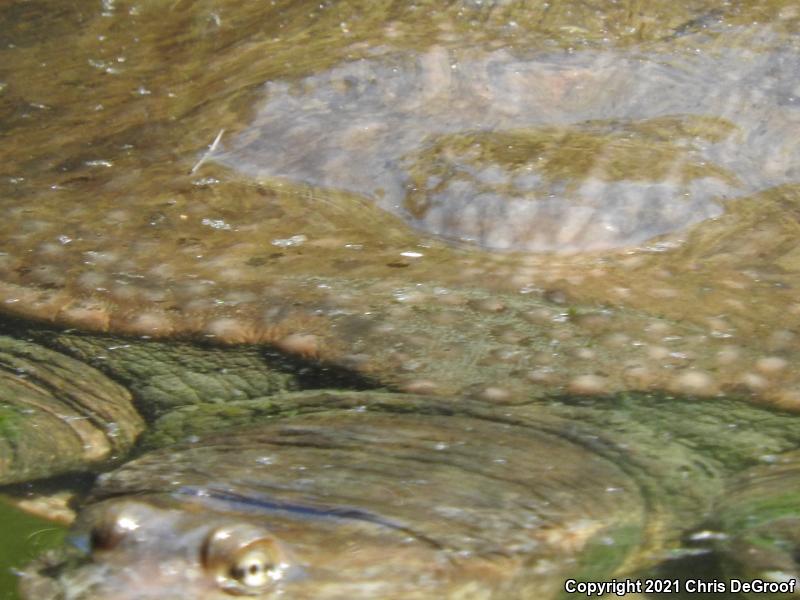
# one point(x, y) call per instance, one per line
point(145, 551)
point(134, 549)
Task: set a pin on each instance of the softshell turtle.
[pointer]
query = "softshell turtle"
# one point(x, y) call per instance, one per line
point(398, 180)
point(379, 495)
point(117, 221)
point(246, 487)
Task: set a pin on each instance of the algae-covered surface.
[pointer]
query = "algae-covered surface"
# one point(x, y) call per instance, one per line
point(484, 199)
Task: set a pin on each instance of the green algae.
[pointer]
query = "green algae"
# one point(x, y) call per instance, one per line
point(10, 418)
point(162, 375)
point(652, 150)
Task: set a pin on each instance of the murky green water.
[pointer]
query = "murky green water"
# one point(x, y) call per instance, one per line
point(389, 180)
point(24, 537)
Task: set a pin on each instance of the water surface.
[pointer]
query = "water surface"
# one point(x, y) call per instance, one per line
point(531, 150)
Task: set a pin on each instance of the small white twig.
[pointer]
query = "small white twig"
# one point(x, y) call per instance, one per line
point(208, 152)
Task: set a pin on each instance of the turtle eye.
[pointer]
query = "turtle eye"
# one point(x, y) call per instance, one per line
point(253, 568)
point(113, 527)
point(243, 558)
point(102, 537)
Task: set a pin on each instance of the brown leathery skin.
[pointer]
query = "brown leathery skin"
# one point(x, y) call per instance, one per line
point(672, 117)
